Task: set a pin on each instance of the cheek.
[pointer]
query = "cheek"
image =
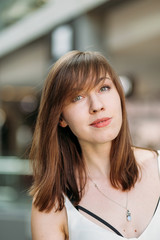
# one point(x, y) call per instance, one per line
point(116, 103)
point(74, 114)
point(71, 118)
point(75, 119)
point(118, 109)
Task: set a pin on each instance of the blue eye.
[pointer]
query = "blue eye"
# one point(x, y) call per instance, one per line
point(104, 88)
point(77, 98)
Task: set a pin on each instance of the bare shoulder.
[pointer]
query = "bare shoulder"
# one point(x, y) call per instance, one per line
point(52, 225)
point(145, 157)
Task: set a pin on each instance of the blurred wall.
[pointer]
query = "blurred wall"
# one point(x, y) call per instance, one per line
point(132, 38)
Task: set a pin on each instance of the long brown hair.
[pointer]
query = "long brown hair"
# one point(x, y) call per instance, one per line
point(55, 153)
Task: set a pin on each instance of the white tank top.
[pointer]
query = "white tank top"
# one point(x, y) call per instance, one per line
point(81, 228)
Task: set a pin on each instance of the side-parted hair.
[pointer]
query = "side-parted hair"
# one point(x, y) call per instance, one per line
point(55, 153)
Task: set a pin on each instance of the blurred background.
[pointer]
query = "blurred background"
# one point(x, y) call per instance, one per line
point(33, 35)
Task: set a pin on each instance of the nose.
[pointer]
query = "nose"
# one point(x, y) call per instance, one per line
point(96, 104)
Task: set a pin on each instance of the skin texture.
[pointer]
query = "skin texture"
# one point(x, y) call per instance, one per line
point(142, 202)
point(52, 225)
point(101, 102)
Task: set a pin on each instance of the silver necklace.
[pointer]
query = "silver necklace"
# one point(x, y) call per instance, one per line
point(128, 213)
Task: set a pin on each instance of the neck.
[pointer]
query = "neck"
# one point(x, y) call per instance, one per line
point(97, 159)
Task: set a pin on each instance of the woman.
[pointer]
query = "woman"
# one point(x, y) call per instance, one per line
point(89, 181)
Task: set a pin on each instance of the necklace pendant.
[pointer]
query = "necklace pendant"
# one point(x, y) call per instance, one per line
point(128, 216)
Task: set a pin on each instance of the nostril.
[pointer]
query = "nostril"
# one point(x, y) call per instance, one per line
point(94, 111)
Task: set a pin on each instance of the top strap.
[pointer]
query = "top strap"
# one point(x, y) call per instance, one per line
point(78, 207)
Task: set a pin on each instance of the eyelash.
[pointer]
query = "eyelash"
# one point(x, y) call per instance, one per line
point(106, 86)
point(76, 98)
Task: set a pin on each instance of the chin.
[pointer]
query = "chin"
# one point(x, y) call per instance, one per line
point(110, 136)
point(104, 140)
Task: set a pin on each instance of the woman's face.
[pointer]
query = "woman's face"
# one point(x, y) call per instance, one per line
point(95, 117)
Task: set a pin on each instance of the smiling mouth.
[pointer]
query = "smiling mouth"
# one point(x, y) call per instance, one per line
point(100, 123)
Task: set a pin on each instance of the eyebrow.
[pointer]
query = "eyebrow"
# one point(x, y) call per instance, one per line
point(104, 78)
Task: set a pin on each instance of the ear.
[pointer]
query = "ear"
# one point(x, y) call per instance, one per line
point(62, 123)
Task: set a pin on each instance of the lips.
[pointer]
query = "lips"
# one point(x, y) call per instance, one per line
point(99, 123)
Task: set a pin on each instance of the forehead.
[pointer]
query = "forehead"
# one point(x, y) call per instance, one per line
point(90, 79)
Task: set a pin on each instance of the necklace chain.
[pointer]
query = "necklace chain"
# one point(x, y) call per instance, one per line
point(128, 213)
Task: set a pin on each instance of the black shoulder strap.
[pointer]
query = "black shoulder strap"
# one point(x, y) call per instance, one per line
point(157, 206)
point(99, 219)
